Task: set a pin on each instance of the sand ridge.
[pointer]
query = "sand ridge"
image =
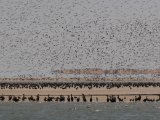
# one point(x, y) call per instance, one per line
point(97, 71)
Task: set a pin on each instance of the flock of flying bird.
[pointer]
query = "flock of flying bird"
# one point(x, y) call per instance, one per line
point(71, 38)
point(94, 40)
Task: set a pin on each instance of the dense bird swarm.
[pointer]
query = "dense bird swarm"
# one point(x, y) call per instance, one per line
point(38, 36)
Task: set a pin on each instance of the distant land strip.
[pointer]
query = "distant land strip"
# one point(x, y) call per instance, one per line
point(88, 79)
point(114, 71)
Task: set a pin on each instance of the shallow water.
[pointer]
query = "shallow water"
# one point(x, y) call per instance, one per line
point(79, 111)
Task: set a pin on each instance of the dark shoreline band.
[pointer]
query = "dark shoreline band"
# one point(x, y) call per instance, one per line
point(76, 85)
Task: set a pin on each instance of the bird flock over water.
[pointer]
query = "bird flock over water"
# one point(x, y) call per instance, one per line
point(39, 35)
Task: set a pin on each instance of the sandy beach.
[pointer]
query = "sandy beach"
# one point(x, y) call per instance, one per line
point(98, 94)
point(95, 89)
